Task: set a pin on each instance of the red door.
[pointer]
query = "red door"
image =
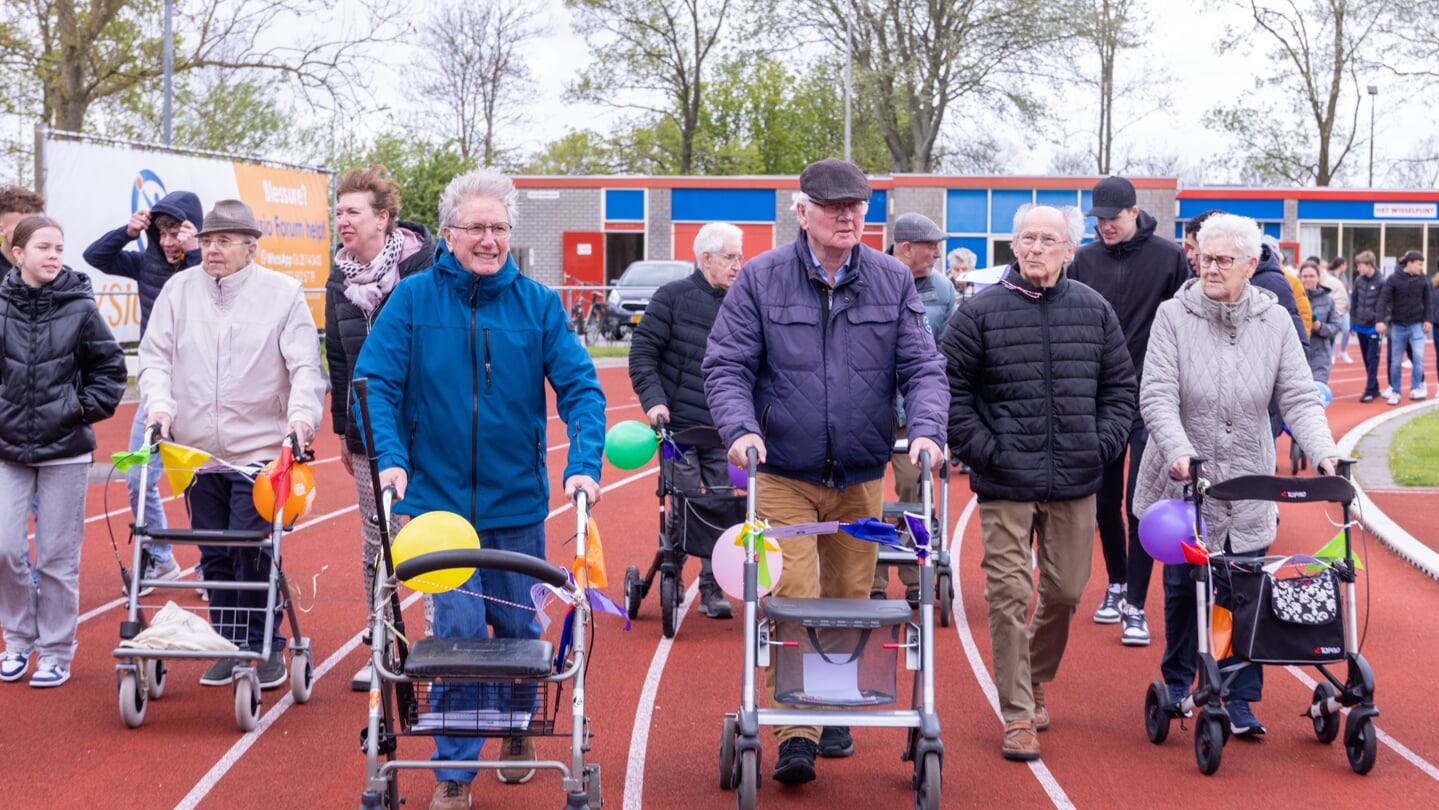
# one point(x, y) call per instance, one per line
point(584, 261)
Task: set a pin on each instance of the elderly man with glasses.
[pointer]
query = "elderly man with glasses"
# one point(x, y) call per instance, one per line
point(807, 353)
point(1042, 396)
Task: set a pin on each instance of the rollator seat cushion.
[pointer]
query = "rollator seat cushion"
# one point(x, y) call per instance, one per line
point(860, 613)
point(480, 658)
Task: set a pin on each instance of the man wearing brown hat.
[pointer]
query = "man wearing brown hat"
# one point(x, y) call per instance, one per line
point(229, 365)
point(919, 245)
point(1136, 270)
point(807, 353)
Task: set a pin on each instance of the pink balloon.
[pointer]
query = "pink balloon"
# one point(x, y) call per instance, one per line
point(1165, 527)
point(727, 561)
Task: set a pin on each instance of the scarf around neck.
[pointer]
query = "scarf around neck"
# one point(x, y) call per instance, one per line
point(366, 285)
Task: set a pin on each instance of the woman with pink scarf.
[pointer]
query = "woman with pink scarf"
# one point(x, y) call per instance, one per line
point(376, 250)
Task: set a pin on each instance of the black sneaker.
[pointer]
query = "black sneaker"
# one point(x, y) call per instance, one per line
point(911, 595)
point(1367, 397)
point(273, 673)
point(796, 761)
point(1242, 722)
point(835, 742)
point(220, 673)
point(713, 602)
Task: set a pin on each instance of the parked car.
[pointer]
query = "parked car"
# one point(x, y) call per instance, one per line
point(632, 292)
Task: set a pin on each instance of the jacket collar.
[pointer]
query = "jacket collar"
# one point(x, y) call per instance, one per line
point(1015, 282)
point(470, 286)
point(1253, 302)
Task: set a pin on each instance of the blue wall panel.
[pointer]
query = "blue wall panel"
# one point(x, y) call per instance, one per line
point(722, 204)
point(1254, 209)
point(1006, 202)
point(877, 208)
point(966, 211)
point(625, 205)
point(1057, 198)
point(1336, 209)
point(978, 244)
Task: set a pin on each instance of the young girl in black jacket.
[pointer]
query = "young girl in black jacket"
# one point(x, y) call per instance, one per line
point(60, 371)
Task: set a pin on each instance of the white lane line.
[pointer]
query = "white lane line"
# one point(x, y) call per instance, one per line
point(1398, 747)
point(644, 711)
point(976, 662)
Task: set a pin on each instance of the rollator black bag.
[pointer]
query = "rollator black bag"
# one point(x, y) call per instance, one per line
point(1292, 620)
point(835, 652)
point(703, 518)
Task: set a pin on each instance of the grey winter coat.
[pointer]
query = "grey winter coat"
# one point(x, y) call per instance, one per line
point(1327, 324)
point(1209, 374)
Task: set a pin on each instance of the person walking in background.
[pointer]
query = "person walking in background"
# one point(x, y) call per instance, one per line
point(666, 352)
point(1326, 322)
point(1364, 312)
point(1336, 278)
point(1404, 317)
point(1135, 269)
point(377, 249)
point(61, 371)
point(171, 245)
point(16, 203)
point(961, 262)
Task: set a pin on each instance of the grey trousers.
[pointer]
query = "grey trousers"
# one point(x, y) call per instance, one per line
point(41, 619)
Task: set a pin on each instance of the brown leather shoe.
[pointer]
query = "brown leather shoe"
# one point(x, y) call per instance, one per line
point(451, 795)
point(517, 749)
point(1021, 743)
point(1041, 712)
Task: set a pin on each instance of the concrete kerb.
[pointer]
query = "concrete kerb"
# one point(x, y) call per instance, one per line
point(1371, 516)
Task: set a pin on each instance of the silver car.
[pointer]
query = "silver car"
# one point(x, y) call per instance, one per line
point(632, 292)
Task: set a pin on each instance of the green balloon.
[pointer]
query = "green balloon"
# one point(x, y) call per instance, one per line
point(630, 445)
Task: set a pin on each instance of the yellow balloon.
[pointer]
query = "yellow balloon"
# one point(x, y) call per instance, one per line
point(435, 531)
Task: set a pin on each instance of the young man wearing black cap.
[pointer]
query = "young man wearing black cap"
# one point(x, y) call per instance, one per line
point(809, 349)
point(1403, 314)
point(1135, 270)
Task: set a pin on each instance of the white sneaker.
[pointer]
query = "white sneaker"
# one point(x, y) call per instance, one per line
point(1387, 392)
point(1418, 393)
point(1108, 612)
point(49, 673)
point(1136, 627)
point(160, 569)
point(1393, 398)
point(13, 666)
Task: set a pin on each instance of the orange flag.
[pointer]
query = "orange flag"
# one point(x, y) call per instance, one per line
point(589, 569)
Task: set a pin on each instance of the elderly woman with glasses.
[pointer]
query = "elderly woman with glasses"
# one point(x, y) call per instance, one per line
point(458, 363)
point(1219, 351)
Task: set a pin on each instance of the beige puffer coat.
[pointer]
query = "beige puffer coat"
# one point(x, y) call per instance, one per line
point(1209, 374)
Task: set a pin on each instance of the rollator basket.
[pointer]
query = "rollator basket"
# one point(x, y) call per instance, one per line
point(704, 518)
point(835, 652)
point(1293, 620)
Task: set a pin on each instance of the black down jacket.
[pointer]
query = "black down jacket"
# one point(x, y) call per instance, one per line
point(1042, 391)
point(669, 345)
point(346, 328)
point(60, 368)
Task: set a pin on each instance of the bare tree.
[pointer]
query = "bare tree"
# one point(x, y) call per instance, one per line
point(475, 72)
point(78, 52)
point(1108, 27)
point(650, 55)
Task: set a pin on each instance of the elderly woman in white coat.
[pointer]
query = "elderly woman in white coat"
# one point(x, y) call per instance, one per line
point(1219, 351)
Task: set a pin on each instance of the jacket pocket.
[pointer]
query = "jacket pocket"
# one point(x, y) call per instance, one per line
point(872, 332)
point(792, 336)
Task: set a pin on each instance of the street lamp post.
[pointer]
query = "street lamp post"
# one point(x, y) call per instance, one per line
point(1373, 93)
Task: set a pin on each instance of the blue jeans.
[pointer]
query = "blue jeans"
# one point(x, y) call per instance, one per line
point(226, 501)
point(466, 615)
point(154, 509)
point(1409, 335)
point(1181, 632)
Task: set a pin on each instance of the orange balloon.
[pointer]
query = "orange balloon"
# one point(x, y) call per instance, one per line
point(297, 501)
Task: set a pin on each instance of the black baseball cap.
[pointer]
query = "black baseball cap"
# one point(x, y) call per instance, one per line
point(1112, 195)
point(833, 179)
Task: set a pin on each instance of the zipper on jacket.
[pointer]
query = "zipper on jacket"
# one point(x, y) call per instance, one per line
point(1048, 390)
point(475, 403)
point(489, 378)
point(540, 454)
point(827, 476)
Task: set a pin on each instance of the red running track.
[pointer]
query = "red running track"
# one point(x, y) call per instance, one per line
point(67, 747)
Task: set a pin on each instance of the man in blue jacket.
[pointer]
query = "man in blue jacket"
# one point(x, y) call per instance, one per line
point(457, 363)
point(807, 353)
point(171, 245)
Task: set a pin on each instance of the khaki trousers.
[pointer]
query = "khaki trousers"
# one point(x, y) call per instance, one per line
point(834, 566)
point(1026, 654)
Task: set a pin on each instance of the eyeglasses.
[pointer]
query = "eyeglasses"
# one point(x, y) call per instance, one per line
point(221, 242)
point(1027, 241)
point(731, 258)
point(836, 210)
point(478, 230)
point(1224, 263)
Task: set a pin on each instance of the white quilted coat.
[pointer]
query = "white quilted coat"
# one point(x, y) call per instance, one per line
point(1209, 374)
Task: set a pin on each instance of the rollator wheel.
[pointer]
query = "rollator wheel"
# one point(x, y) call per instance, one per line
point(944, 587)
point(132, 700)
point(302, 675)
point(926, 792)
point(1326, 729)
point(669, 598)
point(633, 593)
point(247, 704)
point(1361, 746)
point(748, 780)
point(1208, 744)
point(155, 678)
point(726, 754)
point(1156, 719)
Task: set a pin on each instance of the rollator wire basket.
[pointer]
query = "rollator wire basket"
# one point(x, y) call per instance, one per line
point(826, 652)
point(706, 516)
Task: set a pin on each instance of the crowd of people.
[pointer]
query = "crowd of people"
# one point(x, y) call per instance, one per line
point(1074, 386)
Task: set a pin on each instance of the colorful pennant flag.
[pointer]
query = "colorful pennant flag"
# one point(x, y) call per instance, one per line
point(589, 568)
point(1334, 550)
point(136, 458)
point(181, 463)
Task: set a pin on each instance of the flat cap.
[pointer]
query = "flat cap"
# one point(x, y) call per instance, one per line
point(917, 228)
point(834, 179)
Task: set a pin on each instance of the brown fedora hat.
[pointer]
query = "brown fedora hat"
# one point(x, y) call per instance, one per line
point(231, 216)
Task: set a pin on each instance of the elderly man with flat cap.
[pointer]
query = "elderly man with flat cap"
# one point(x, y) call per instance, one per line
point(919, 245)
point(229, 365)
point(807, 353)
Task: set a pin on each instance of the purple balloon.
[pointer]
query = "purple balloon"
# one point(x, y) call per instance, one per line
point(738, 477)
point(1165, 527)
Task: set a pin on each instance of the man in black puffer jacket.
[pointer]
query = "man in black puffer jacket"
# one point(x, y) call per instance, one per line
point(171, 245)
point(1363, 313)
point(1042, 396)
point(665, 356)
